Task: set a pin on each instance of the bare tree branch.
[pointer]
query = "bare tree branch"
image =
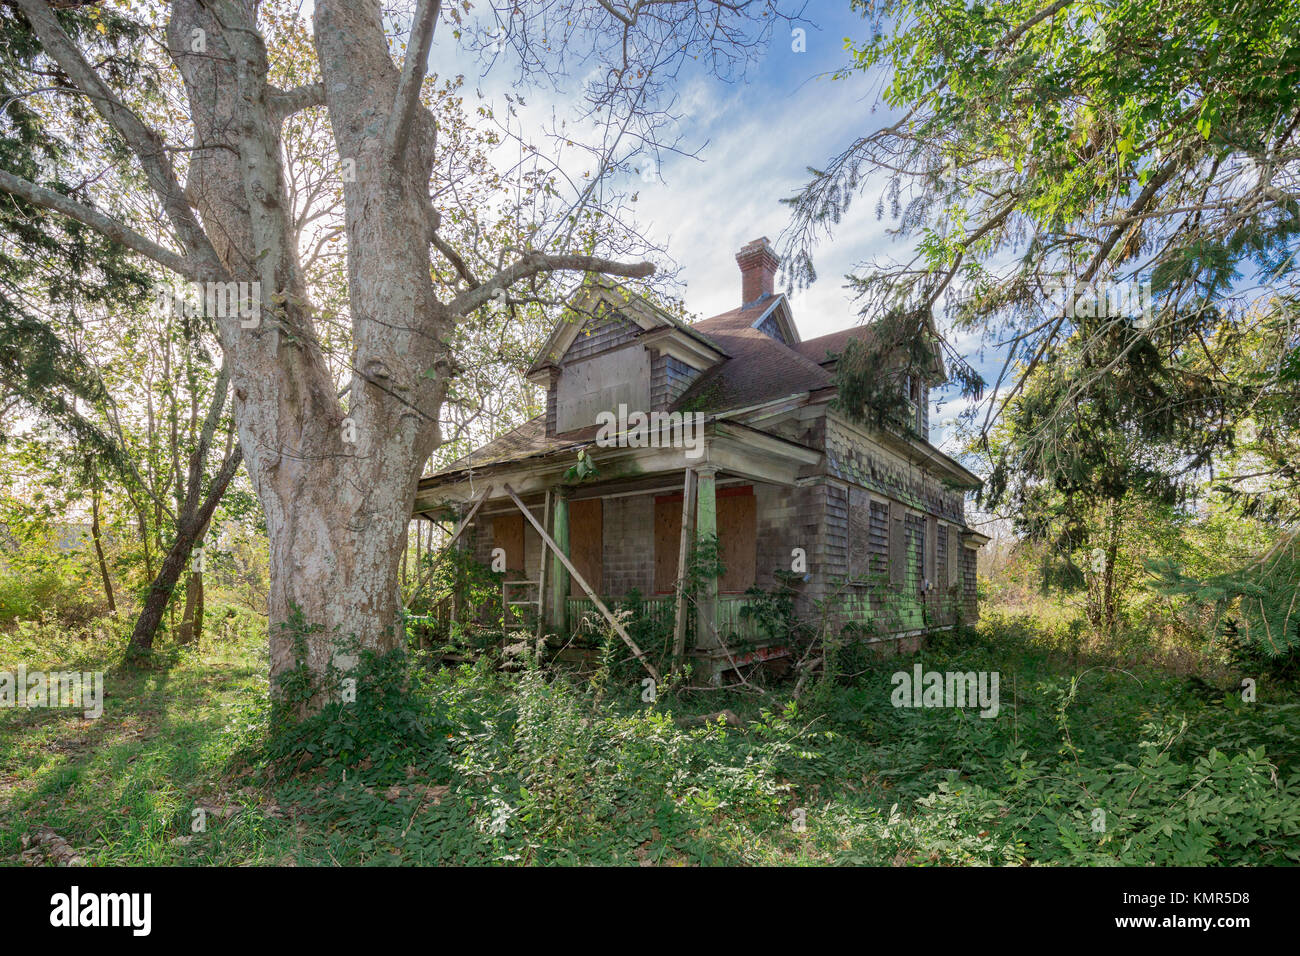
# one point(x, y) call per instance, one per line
point(534, 263)
point(414, 67)
point(107, 225)
point(145, 142)
point(287, 102)
point(455, 259)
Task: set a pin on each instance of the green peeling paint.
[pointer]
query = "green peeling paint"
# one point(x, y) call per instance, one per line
point(559, 574)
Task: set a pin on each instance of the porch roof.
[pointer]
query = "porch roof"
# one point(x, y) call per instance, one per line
point(525, 441)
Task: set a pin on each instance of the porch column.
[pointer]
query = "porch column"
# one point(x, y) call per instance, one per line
point(706, 528)
point(558, 573)
point(457, 579)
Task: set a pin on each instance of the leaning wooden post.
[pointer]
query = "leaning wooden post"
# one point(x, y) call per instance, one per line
point(456, 584)
point(559, 573)
point(582, 583)
point(706, 531)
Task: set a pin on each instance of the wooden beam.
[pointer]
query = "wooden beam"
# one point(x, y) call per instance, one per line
point(478, 502)
point(683, 557)
point(582, 583)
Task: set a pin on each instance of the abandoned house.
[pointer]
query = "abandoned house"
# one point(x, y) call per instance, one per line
point(869, 523)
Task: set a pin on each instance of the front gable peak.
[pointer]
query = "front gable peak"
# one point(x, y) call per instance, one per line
point(605, 314)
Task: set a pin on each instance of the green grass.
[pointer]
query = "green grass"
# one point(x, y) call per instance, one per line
point(475, 765)
point(120, 787)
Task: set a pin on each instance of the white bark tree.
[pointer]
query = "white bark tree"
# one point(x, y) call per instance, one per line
point(336, 511)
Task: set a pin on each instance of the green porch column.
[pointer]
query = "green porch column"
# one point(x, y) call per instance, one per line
point(558, 573)
point(706, 528)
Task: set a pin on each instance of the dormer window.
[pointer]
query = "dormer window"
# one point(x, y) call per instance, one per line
point(914, 393)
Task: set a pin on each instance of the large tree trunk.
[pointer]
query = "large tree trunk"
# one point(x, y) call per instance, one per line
point(337, 568)
point(336, 513)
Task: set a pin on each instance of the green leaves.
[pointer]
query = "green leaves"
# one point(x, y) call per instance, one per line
point(582, 469)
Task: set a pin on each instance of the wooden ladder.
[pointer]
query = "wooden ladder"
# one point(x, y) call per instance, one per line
point(507, 604)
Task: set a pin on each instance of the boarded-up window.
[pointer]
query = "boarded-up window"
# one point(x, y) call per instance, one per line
point(737, 527)
point(954, 555)
point(897, 545)
point(859, 534)
point(508, 535)
point(879, 540)
point(931, 530)
point(668, 537)
point(587, 543)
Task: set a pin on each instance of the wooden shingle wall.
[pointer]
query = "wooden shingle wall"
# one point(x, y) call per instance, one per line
point(849, 458)
point(600, 333)
point(971, 610)
point(789, 518)
point(629, 545)
point(669, 378)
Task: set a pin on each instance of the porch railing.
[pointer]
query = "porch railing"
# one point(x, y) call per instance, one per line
point(662, 611)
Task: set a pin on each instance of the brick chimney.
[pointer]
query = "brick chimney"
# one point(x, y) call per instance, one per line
point(758, 262)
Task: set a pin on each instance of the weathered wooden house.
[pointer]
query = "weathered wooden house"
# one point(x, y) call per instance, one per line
point(870, 523)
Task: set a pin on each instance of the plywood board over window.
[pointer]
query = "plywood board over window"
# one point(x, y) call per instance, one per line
point(737, 538)
point(668, 529)
point(859, 534)
point(508, 535)
point(897, 545)
point(954, 554)
point(587, 543)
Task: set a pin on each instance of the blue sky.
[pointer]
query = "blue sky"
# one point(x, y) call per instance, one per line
point(756, 139)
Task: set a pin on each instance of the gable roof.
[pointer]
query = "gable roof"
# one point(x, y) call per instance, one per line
point(760, 368)
point(602, 296)
point(823, 347)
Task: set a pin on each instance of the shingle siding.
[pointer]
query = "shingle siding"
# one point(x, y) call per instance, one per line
point(850, 459)
point(772, 328)
point(971, 608)
point(669, 378)
point(552, 407)
point(600, 333)
point(629, 545)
